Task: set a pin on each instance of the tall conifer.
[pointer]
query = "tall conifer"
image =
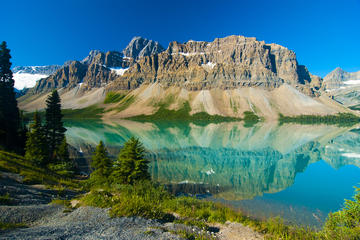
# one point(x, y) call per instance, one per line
point(55, 130)
point(9, 112)
point(102, 165)
point(36, 146)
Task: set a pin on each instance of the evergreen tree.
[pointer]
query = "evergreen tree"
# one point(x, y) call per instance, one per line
point(102, 165)
point(63, 165)
point(131, 166)
point(62, 152)
point(55, 130)
point(9, 112)
point(36, 147)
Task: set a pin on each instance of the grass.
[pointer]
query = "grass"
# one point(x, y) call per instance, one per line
point(113, 97)
point(149, 200)
point(125, 103)
point(93, 112)
point(9, 226)
point(14, 163)
point(341, 119)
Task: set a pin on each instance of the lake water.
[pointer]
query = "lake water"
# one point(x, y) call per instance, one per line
point(298, 172)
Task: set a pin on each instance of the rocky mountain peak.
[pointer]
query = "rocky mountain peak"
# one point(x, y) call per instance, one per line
point(92, 55)
point(338, 76)
point(140, 47)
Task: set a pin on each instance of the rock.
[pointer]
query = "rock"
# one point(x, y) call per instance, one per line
point(140, 47)
point(225, 63)
point(68, 76)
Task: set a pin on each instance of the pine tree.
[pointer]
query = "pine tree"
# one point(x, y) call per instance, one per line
point(55, 130)
point(131, 166)
point(36, 147)
point(9, 112)
point(63, 165)
point(102, 165)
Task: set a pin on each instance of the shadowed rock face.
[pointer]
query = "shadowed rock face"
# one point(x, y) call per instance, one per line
point(68, 76)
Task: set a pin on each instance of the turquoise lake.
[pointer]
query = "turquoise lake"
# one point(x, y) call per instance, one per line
point(298, 172)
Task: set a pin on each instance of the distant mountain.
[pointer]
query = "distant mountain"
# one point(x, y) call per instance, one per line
point(226, 77)
point(344, 87)
point(340, 78)
point(27, 76)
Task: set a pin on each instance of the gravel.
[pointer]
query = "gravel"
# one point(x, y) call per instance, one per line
point(83, 223)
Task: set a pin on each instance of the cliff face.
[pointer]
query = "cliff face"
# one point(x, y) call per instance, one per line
point(225, 63)
point(67, 76)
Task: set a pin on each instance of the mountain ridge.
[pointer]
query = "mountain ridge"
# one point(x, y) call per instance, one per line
point(200, 72)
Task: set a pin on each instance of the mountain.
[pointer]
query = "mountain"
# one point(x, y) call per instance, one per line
point(344, 87)
point(140, 47)
point(340, 78)
point(225, 63)
point(226, 77)
point(27, 76)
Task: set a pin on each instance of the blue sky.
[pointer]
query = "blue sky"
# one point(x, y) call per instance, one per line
point(324, 34)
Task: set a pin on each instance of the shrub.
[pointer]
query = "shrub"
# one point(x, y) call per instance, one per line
point(98, 198)
point(141, 199)
point(345, 224)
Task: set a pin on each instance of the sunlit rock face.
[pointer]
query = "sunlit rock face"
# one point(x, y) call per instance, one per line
point(225, 63)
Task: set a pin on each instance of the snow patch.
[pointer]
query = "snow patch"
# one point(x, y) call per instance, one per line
point(26, 80)
point(209, 172)
point(119, 71)
point(351, 155)
point(188, 54)
point(352, 82)
point(209, 65)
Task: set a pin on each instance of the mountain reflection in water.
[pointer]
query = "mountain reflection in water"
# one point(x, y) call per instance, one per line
point(254, 169)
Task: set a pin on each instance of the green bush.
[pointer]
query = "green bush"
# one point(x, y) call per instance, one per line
point(98, 198)
point(345, 224)
point(141, 199)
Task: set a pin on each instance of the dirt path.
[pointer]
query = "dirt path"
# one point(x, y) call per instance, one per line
point(236, 231)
